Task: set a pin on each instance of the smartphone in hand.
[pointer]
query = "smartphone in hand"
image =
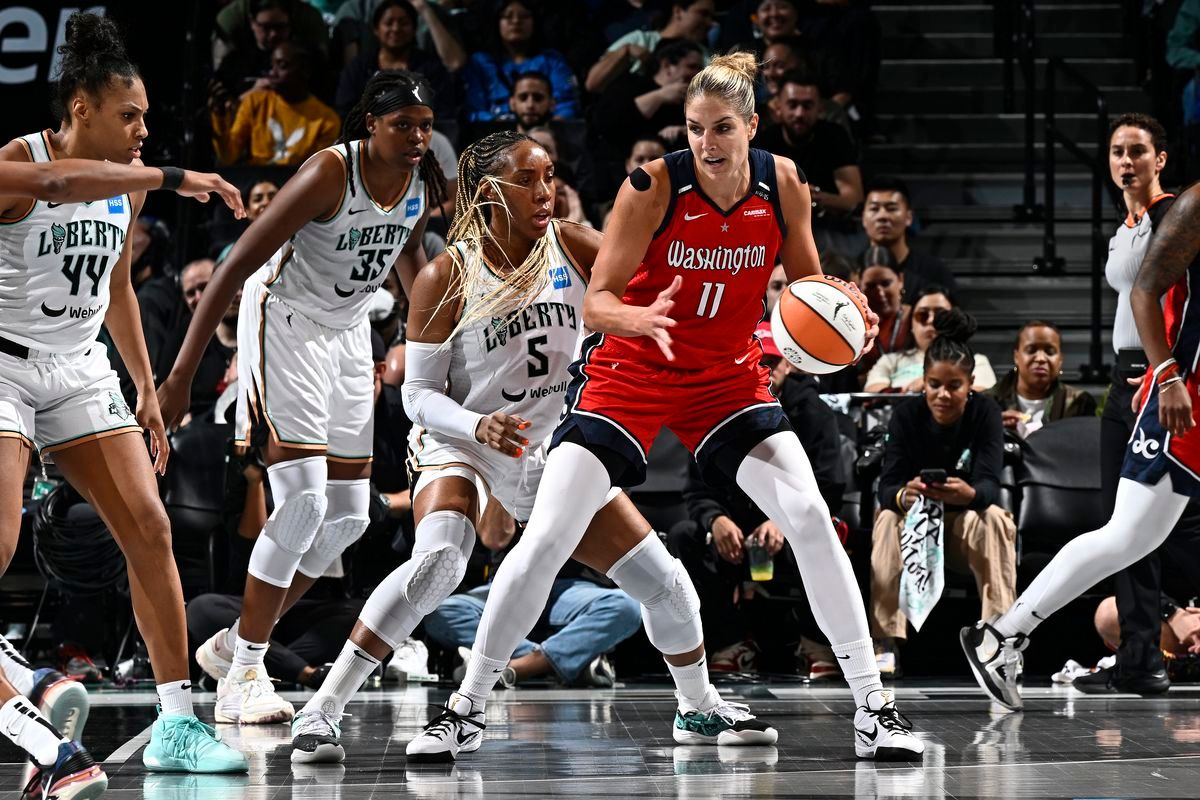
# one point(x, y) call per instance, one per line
point(933, 477)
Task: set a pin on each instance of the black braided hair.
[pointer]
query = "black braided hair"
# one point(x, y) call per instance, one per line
point(955, 328)
point(93, 56)
point(355, 127)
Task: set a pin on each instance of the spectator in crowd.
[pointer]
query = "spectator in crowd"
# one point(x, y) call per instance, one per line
point(775, 286)
point(517, 48)
point(723, 524)
point(256, 27)
point(1178, 632)
point(887, 216)
point(643, 152)
point(639, 106)
point(959, 432)
point(151, 243)
point(567, 202)
point(775, 20)
point(883, 286)
point(394, 23)
point(822, 150)
point(584, 618)
point(258, 198)
point(1032, 394)
point(690, 19)
point(281, 125)
point(788, 55)
point(904, 370)
point(844, 39)
point(214, 370)
point(438, 30)
point(531, 104)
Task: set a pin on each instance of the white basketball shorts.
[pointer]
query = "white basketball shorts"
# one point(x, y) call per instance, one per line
point(305, 385)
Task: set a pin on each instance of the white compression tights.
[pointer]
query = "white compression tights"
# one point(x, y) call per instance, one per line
point(778, 478)
point(1142, 518)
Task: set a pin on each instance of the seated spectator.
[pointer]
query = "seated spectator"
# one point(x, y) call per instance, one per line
point(723, 523)
point(531, 104)
point(517, 48)
point(904, 371)
point(436, 31)
point(959, 432)
point(582, 620)
point(887, 216)
point(775, 286)
point(280, 125)
point(246, 34)
point(690, 19)
point(567, 202)
point(1180, 628)
point(1032, 394)
point(788, 55)
point(643, 152)
point(822, 150)
point(638, 106)
point(394, 24)
point(883, 285)
point(844, 40)
point(258, 198)
point(213, 371)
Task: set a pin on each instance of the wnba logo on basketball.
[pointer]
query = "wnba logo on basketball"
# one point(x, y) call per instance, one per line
point(734, 259)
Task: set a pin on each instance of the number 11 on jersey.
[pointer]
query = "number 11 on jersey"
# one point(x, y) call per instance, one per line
point(704, 309)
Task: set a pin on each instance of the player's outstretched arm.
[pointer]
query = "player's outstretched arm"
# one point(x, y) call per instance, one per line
point(81, 180)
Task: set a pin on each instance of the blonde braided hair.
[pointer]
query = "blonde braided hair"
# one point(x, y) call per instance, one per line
point(522, 283)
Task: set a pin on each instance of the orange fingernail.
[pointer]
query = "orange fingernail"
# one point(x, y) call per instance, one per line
point(520, 452)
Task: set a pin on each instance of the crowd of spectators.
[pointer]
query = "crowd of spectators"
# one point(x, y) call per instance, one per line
point(601, 85)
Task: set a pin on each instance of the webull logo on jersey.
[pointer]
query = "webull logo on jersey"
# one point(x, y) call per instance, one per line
point(387, 233)
point(733, 259)
point(539, 315)
point(81, 233)
point(536, 393)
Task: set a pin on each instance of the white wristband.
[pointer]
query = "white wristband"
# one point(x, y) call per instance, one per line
point(1158, 370)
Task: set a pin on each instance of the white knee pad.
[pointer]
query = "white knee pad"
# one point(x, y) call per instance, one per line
point(345, 522)
point(444, 539)
point(670, 605)
point(298, 488)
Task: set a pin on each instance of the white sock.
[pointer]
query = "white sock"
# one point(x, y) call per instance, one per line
point(30, 731)
point(691, 683)
point(176, 698)
point(231, 635)
point(353, 666)
point(1142, 518)
point(857, 660)
point(16, 668)
point(248, 654)
point(481, 676)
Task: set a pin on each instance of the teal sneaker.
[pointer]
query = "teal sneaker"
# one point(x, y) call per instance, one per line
point(185, 744)
point(724, 723)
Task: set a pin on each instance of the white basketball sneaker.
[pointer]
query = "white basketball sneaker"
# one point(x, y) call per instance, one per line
point(246, 696)
point(996, 662)
point(458, 729)
point(215, 656)
point(882, 733)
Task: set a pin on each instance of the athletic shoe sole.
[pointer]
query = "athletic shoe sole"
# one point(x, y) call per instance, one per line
point(964, 639)
point(66, 705)
point(444, 756)
point(727, 738)
point(213, 665)
point(324, 754)
point(87, 786)
point(887, 753)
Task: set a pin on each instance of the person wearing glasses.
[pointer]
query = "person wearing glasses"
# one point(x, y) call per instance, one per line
point(904, 370)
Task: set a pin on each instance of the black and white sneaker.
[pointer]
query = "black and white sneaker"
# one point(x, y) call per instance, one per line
point(458, 729)
point(317, 738)
point(882, 733)
point(995, 661)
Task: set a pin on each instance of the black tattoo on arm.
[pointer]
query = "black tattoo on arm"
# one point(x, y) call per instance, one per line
point(1175, 245)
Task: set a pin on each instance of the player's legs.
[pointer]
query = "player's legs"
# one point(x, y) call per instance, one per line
point(115, 476)
point(445, 508)
point(1142, 518)
point(777, 476)
point(620, 543)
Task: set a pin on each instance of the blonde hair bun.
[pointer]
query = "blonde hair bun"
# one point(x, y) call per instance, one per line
point(730, 77)
point(739, 61)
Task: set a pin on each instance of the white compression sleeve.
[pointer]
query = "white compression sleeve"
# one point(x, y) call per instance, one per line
point(426, 367)
point(1142, 518)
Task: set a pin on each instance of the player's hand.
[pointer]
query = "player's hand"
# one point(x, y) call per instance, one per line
point(654, 320)
point(1175, 408)
point(174, 397)
point(769, 536)
point(728, 539)
point(502, 432)
point(200, 184)
point(871, 318)
point(150, 418)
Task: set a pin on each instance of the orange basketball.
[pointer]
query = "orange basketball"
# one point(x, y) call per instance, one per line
point(820, 324)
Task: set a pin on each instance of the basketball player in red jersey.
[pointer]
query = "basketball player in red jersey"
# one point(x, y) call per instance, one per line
point(676, 293)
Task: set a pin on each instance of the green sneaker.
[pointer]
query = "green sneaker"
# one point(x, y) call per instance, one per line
point(185, 744)
point(725, 723)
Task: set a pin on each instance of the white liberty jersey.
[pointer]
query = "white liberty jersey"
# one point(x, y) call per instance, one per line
point(518, 363)
point(55, 266)
point(331, 268)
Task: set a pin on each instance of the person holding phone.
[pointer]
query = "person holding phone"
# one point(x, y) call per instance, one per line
point(947, 445)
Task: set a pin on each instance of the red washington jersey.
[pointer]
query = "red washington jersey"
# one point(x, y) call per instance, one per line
point(725, 259)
